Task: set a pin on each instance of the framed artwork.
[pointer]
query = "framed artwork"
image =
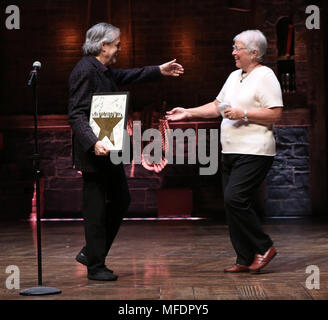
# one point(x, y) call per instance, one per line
point(108, 118)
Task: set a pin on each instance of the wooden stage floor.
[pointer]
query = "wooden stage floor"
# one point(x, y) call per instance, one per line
point(165, 260)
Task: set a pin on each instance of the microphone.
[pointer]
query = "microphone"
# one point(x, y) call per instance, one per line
point(37, 65)
point(33, 73)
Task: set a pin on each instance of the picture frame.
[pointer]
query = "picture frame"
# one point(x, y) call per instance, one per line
point(108, 118)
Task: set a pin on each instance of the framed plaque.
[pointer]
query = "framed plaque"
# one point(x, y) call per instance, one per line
point(108, 118)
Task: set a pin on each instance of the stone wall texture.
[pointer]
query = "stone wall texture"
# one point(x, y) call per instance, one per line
point(199, 35)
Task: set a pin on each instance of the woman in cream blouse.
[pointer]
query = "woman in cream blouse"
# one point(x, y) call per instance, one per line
point(250, 102)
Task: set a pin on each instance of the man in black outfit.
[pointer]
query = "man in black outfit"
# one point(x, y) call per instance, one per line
point(105, 190)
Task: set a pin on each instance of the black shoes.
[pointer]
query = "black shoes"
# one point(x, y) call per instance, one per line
point(102, 274)
point(82, 258)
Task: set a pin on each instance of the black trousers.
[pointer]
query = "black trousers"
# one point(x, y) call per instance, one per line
point(242, 175)
point(106, 199)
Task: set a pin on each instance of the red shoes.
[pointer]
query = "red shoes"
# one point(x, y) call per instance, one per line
point(261, 261)
point(237, 268)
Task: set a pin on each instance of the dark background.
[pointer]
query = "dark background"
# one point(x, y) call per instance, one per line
point(199, 35)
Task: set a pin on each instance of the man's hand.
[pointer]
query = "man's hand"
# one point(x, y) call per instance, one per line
point(171, 68)
point(177, 114)
point(101, 149)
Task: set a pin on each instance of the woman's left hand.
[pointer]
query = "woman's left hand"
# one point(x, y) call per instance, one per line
point(234, 113)
point(171, 68)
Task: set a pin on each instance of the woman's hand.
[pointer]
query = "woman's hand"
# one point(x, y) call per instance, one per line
point(234, 113)
point(177, 114)
point(171, 68)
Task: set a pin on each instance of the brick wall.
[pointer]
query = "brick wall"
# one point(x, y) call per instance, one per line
point(62, 186)
point(286, 190)
point(62, 192)
point(295, 10)
point(51, 32)
point(199, 34)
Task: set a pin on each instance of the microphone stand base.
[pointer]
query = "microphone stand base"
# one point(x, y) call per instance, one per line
point(39, 291)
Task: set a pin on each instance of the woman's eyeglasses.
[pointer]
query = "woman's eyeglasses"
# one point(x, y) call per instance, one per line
point(237, 48)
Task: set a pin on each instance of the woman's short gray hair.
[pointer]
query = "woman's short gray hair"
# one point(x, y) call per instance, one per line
point(253, 40)
point(98, 34)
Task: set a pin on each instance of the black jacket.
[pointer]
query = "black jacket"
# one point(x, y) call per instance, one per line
point(90, 76)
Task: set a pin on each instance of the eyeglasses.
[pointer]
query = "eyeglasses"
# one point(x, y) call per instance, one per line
point(237, 48)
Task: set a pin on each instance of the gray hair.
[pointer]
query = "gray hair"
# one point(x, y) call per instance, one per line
point(98, 34)
point(253, 40)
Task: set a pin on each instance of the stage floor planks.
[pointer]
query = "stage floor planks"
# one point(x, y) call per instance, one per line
point(165, 260)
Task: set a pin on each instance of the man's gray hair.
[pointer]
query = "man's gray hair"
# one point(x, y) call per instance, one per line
point(253, 40)
point(98, 34)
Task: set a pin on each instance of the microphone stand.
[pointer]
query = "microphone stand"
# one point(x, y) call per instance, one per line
point(40, 290)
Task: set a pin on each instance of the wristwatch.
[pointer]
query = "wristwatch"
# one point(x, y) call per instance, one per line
point(245, 115)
